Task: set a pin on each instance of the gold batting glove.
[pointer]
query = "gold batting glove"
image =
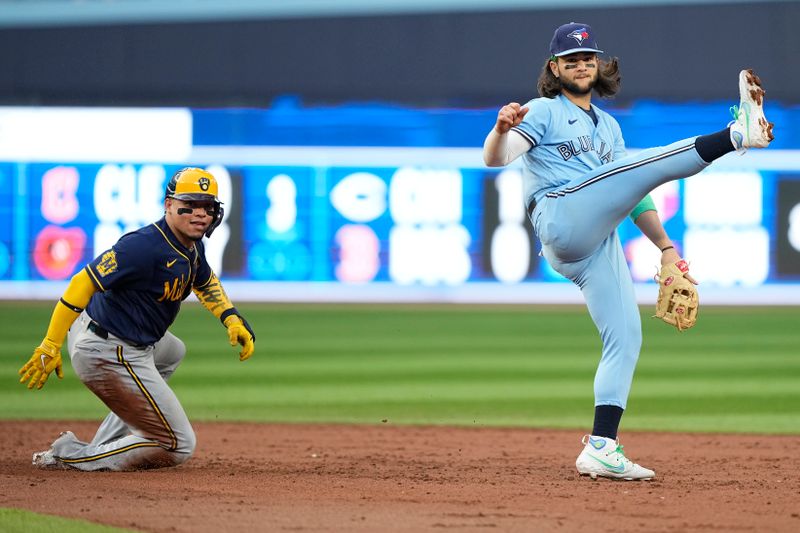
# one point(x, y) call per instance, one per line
point(239, 332)
point(46, 358)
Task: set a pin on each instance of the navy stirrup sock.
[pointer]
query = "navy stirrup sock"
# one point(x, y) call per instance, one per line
point(606, 421)
point(714, 146)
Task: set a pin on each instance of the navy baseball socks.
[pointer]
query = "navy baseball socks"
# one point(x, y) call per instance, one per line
point(715, 145)
point(606, 420)
point(749, 128)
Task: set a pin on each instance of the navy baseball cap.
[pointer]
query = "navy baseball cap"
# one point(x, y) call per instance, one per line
point(571, 38)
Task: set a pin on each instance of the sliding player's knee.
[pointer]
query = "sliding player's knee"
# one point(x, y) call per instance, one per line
point(169, 353)
point(187, 442)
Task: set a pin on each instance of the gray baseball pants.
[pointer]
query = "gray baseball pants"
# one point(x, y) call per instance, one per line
point(147, 426)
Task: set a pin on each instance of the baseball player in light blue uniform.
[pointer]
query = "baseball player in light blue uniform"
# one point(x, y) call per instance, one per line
point(579, 186)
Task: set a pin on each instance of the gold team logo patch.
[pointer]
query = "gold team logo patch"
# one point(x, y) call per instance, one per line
point(107, 264)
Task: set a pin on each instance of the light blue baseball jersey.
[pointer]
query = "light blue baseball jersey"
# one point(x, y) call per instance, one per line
point(584, 186)
point(566, 144)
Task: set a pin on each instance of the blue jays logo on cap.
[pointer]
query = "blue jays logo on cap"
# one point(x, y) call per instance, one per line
point(579, 35)
point(571, 38)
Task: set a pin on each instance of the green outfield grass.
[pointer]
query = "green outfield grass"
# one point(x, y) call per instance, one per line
point(18, 521)
point(737, 370)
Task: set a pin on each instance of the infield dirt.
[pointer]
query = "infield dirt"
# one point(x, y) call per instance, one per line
point(272, 477)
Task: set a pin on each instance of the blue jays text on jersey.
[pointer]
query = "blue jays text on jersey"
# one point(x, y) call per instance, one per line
point(565, 143)
point(584, 144)
point(142, 281)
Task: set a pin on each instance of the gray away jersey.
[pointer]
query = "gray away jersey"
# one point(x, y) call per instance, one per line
point(565, 143)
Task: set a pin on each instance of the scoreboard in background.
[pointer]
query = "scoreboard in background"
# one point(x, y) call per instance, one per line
point(412, 224)
point(407, 224)
point(787, 236)
point(8, 210)
point(421, 220)
point(63, 215)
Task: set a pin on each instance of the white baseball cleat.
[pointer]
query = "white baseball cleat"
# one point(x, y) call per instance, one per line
point(750, 128)
point(604, 457)
point(47, 458)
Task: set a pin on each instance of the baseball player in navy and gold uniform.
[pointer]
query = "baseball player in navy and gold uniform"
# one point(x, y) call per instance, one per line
point(579, 186)
point(117, 310)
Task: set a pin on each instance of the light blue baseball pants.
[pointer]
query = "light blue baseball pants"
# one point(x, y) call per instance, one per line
point(577, 225)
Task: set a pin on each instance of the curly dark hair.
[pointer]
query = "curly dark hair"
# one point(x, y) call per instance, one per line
point(608, 79)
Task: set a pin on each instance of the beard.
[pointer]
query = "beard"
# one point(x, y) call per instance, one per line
point(573, 88)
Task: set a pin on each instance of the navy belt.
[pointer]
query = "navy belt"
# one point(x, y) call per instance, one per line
point(97, 329)
point(531, 207)
point(102, 332)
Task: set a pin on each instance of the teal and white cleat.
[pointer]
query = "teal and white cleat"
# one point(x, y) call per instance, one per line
point(750, 128)
point(604, 457)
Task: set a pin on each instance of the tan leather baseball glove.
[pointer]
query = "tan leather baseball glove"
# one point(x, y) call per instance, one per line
point(677, 303)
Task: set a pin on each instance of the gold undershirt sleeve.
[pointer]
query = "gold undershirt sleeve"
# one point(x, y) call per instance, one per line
point(75, 299)
point(213, 296)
